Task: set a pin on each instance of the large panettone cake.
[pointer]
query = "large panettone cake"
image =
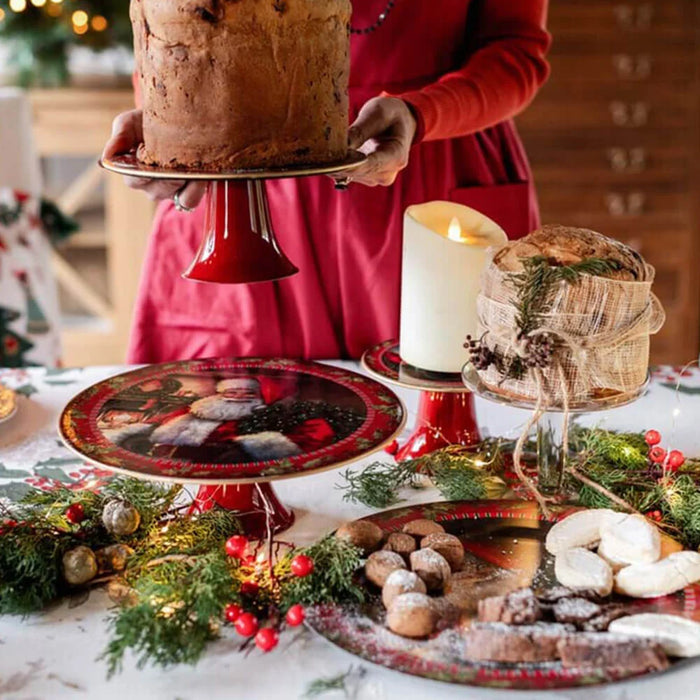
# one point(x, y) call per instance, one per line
point(232, 84)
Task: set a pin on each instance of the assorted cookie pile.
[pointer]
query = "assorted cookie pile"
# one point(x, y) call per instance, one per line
point(412, 569)
point(627, 558)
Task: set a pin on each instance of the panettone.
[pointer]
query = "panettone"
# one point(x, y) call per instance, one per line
point(589, 335)
point(234, 84)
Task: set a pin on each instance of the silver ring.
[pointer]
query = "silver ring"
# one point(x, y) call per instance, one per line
point(342, 183)
point(179, 205)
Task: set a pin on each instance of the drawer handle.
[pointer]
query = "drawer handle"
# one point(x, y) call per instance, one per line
point(632, 204)
point(630, 67)
point(634, 17)
point(624, 160)
point(632, 114)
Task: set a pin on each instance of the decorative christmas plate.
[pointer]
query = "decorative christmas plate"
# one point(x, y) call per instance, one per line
point(8, 403)
point(231, 421)
point(384, 362)
point(506, 536)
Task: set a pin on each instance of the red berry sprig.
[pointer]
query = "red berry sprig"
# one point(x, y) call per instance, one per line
point(236, 546)
point(246, 625)
point(295, 615)
point(676, 459)
point(652, 437)
point(655, 515)
point(657, 454)
point(249, 588)
point(302, 565)
point(267, 639)
point(232, 612)
point(75, 514)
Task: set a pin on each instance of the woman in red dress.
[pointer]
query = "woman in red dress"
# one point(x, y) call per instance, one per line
point(433, 88)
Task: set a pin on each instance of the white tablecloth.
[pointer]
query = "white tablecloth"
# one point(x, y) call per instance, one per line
point(54, 654)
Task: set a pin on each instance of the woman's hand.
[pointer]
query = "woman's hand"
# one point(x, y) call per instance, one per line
point(384, 130)
point(127, 134)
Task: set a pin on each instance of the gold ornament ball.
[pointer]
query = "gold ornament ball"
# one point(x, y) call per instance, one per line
point(113, 558)
point(79, 565)
point(121, 518)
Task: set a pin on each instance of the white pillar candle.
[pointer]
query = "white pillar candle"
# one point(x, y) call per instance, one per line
point(444, 254)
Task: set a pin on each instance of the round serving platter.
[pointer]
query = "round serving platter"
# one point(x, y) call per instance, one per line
point(148, 422)
point(509, 536)
point(8, 403)
point(128, 164)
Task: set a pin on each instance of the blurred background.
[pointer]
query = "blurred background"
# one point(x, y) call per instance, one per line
point(614, 140)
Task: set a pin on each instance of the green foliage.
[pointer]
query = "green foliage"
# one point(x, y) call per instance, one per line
point(535, 285)
point(332, 580)
point(378, 484)
point(149, 498)
point(332, 684)
point(459, 473)
point(178, 605)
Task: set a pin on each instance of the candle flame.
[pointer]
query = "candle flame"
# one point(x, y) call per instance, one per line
point(454, 231)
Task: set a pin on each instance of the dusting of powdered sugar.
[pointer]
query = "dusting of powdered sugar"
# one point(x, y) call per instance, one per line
point(403, 579)
point(406, 602)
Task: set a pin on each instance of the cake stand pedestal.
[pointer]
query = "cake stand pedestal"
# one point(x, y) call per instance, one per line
point(239, 245)
point(551, 451)
point(446, 413)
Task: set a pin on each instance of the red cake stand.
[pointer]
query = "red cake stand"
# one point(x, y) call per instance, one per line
point(292, 419)
point(238, 244)
point(446, 414)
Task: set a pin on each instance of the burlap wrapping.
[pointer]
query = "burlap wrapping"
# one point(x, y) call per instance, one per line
point(601, 328)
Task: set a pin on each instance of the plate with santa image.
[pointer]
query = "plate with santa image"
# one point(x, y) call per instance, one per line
point(231, 421)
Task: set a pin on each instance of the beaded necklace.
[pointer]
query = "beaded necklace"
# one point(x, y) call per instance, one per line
point(384, 14)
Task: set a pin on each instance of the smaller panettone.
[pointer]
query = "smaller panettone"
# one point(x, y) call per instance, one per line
point(565, 316)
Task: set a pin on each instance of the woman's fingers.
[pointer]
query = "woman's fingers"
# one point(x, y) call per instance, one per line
point(192, 194)
point(374, 118)
point(127, 134)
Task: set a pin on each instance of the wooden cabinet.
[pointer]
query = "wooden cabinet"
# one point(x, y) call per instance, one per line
point(77, 122)
point(614, 142)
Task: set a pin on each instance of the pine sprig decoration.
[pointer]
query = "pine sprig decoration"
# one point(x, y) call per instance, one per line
point(459, 473)
point(173, 620)
point(332, 580)
point(537, 282)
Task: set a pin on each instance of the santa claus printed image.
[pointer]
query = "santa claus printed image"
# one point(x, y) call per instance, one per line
point(234, 421)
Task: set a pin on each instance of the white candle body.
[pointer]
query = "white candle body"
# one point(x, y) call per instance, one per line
point(441, 279)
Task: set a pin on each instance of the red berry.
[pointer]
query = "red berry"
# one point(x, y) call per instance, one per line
point(652, 437)
point(295, 615)
point(232, 612)
point(9, 523)
point(249, 560)
point(236, 546)
point(75, 514)
point(246, 625)
point(676, 459)
point(266, 639)
point(392, 448)
point(302, 565)
point(249, 588)
point(657, 454)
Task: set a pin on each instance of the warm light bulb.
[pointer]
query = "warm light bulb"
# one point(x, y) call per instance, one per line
point(18, 5)
point(80, 18)
point(82, 29)
point(454, 231)
point(98, 23)
point(38, 3)
point(2, 14)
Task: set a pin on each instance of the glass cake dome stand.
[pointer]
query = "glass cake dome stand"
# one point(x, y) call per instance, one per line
point(552, 425)
point(239, 244)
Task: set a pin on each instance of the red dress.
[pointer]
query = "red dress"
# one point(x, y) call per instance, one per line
point(466, 67)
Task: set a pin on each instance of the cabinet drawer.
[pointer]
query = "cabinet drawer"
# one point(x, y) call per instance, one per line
point(613, 166)
point(620, 65)
point(617, 19)
point(625, 203)
point(612, 107)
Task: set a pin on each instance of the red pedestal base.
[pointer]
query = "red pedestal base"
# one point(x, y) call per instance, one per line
point(239, 245)
point(444, 418)
point(253, 503)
